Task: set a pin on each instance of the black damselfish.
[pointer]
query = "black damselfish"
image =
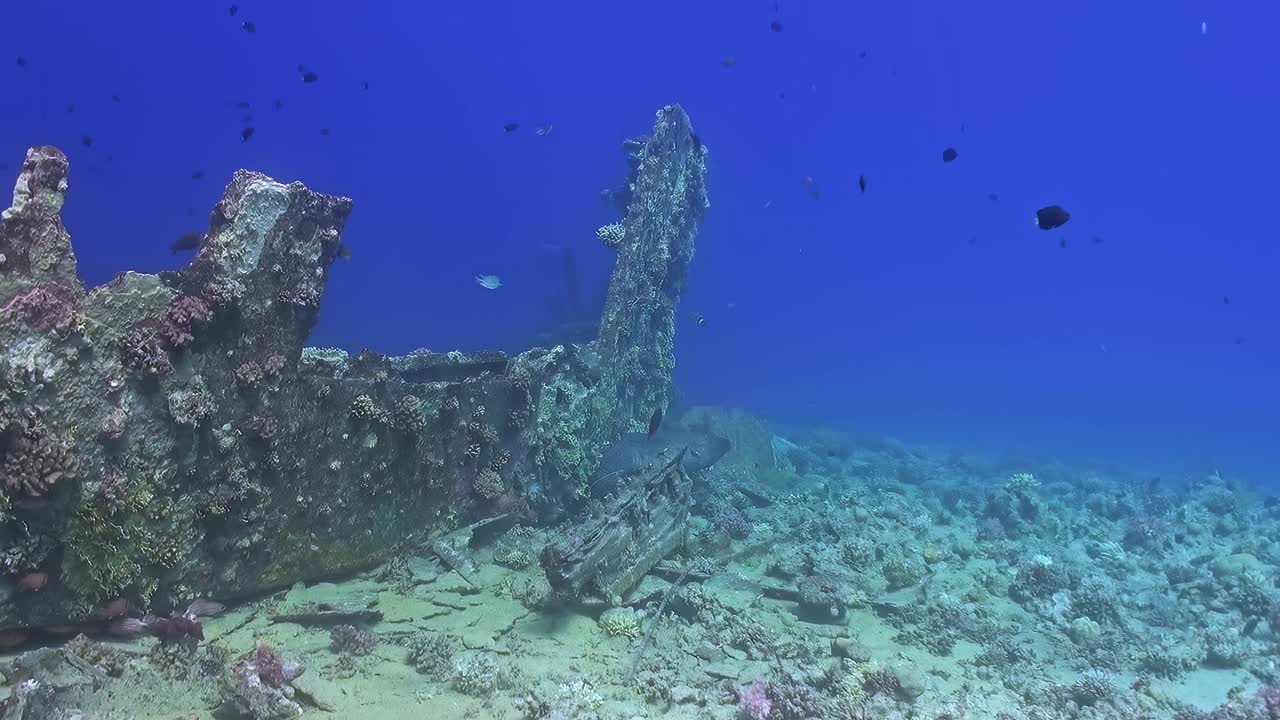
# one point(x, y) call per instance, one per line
point(1053, 216)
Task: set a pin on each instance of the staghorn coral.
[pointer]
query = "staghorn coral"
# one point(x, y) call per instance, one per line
point(409, 416)
point(620, 622)
point(612, 234)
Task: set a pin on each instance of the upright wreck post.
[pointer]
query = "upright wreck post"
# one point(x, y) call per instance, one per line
point(166, 437)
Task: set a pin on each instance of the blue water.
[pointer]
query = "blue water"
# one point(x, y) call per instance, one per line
point(920, 308)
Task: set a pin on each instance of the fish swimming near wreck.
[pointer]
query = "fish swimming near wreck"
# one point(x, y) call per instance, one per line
point(636, 450)
point(178, 626)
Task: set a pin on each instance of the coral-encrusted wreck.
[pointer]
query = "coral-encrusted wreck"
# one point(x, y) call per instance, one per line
point(168, 437)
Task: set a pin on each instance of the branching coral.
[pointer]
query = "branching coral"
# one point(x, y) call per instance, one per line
point(32, 460)
point(140, 351)
point(488, 484)
point(185, 314)
point(48, 307)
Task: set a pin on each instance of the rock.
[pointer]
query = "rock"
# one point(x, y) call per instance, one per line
point(911, 681)
point(685, 695)
point(1237, 565)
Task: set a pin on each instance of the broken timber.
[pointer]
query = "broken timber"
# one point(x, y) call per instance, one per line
point(608, 552)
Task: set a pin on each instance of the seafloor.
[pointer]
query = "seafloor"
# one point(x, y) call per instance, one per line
point(826, 578)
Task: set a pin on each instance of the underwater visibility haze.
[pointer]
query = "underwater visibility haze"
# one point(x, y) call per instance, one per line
point(774, 359)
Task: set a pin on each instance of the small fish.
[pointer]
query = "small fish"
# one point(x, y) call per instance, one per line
point(249, 27)
point(187, 241)
point(862, 54)
point(728, 61)
point(815, 192)
point(71, 107)
point(655, 422)
point(698, 318)
point(243, 105)
point(197, 174)
point(1204, 28)
point(949, 154)
point(344, 251)
point(1062, 243)
point(776, 26)
point(301, 68)
point(542, 130)
point(277, 106)
point(973, 239)
point(511, 127)
point(862, 183)
point(115, 98)
point(245, 134)
point(1097, 239)
point(366, 84)
point(22, 62)
point(994, 197)
point(324, 132)
point(310, 76)
point(114, 609)
point(489, 282)
point(86, 140)
point(1051, 216)
point(1226, 300)
point(248, 118)
point(13, 637)
point(33, 582)
point(233, 10)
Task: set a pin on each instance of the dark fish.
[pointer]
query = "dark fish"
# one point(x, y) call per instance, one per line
point(511, 127)
point(310, 76)
point(243, 105)
point(22, 62)
point(949, 154)
point(187, 241)
point(366, 84)
point(86, 140)
point(776, 26)
point(277, 105)
point(71, 108)
point(302, 68)
point(728, 61)
point(1062, 243)
point(698, 318)
point(1097, 239)
point(324, 132)
point(115, 98)
point(232, 10)
point(655, 422)
point(191, 212)
point(862, 183)
point(973, 239)
point(248, 118)
point(697, 141)
point(1226, 300)
point(782, 95)
point(249, 27)
point(245, 134)
point(862, 54)
point(197, 174)
point(1052, 216)
point(995, 197)
point(344, 251)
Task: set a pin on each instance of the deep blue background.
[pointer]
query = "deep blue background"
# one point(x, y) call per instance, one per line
point(921, 308)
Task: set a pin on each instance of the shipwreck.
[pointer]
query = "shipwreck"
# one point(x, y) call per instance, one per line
point(168, 437)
